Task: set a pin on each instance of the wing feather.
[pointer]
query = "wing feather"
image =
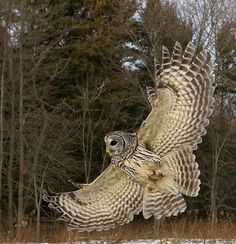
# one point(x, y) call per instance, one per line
point(113, 198)
point(181, 108)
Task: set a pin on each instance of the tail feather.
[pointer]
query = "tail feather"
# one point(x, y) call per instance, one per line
point(184, 169)
point(164, 201)
point(162, 204)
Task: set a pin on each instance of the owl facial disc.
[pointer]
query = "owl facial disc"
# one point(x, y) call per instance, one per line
point(114, 143)
point(119, 144)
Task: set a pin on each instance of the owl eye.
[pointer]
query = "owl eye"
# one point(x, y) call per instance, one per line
point(113, 143)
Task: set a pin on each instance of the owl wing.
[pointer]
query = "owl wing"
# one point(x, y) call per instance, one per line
point(180, 103)
point(113, 198)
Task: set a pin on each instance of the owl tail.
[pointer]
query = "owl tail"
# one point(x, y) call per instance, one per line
point(162, 204)
point(182, 166)
point(180, 176)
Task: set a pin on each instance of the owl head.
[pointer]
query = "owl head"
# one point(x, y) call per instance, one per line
point(120, 145)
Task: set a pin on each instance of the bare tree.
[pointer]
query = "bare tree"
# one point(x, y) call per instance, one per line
point(4, 44)
point(21, 123)
point(12, 134)
point(207, 19)
point(3, 64)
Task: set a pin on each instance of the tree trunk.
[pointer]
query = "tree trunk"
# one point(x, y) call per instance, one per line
point(1, 115)
point(21, 142)
point(12, 130)
point(12, 144)
point(214, 193)
point(36, 186)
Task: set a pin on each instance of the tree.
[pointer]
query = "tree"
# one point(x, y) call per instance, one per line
point(213, 24)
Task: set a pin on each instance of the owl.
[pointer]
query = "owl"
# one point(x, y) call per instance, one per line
point(154, 167)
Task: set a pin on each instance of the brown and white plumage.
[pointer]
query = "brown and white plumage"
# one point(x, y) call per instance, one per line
point(113, 198)
point(181, 110)
point(152, 168)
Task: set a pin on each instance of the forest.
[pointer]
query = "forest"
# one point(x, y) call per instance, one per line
point(73, 70)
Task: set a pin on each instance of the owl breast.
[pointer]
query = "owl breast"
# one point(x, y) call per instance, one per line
point(143, 165)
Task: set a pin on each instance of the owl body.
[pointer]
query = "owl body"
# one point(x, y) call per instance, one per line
point(140, 163)
point(137, 161)
point(143, 165)
point(149, 172)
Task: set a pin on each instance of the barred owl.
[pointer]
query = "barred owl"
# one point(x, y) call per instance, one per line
point(151, 169)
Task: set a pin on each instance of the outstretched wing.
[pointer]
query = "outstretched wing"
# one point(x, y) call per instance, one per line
point(180, 108)
point(113, 198)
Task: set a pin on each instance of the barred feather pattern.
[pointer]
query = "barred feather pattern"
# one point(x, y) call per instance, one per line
point(112, 199)
point(180, 176)
point(164, 179)
point(175, 125)
point(140, 164)
point(151, 94)
point(162, 204)
point(182, 107)
point(181, 163)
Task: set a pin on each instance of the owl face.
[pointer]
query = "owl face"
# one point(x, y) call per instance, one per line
point(115, 143)
point(119, 143)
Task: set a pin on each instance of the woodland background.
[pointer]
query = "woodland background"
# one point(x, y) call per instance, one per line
point(73, 70)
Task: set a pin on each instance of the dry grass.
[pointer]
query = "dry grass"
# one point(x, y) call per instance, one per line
point(184, 228)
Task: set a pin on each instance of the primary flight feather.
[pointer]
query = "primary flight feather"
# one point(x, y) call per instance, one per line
point(152, 168)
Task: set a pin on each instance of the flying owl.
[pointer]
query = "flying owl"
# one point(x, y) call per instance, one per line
point(151, 169)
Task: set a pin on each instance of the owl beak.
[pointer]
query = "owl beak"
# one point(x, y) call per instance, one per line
point(108, 151)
